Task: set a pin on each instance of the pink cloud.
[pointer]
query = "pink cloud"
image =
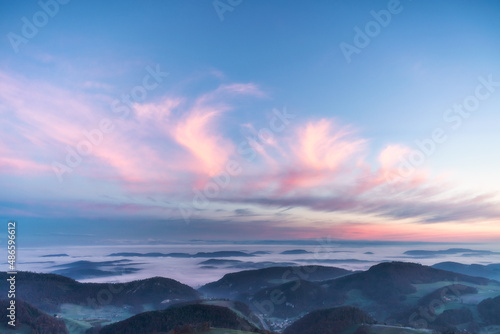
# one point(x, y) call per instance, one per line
point(322, 146)
point(158, 112)
point(175, 143)
point(198, 134)
point(12, 165)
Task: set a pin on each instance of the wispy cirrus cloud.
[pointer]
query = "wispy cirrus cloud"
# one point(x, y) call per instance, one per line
point(196, 132)
point(323, 168)
point(157, 147)
point(179, 142)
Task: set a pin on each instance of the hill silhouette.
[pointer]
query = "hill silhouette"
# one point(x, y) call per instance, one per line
point(491, 271)
point(290, 299)
point(29, 319)
point(489, 310)
point(194, 316)
point(49, 291)
point(329, 321)
point(390, 282)
point(242, 284)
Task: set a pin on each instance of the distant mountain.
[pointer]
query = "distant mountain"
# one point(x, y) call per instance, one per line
point(489, 310)
point(91, 269)
point(186, 255)
point(29, 319)
point(451, 251)
point(183, 318)
point(334, 261)
point(491, 271)
point(54, 255)
point(242, 284)
point(49, 291)
point(295, 251)
point(237, 264)
point(220, 262)
point(329, 321)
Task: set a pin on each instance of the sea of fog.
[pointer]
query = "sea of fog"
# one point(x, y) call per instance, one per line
point(195, 272)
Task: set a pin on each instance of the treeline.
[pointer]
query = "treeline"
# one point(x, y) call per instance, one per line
point(29, 316)
point(489, 310)
point(180, 318)
point(332, 321)
point(49, 291)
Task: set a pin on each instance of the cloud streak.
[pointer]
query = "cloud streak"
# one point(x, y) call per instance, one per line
point(180, 142)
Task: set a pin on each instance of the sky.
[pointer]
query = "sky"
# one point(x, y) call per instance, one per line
point(156, 121)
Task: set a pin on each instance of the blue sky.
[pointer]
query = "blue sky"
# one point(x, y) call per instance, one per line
point(335, 167)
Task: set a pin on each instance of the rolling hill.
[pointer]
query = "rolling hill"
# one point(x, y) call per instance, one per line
point(491, 271)
point(289, 299)
point(389, 283)
point(382, 290)
point(29, 319)
point(329, 321)
point(49, 291)
point(242, 284)
point(489, 310)
point(194, 316)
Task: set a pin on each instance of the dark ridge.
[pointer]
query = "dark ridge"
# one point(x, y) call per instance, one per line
point(413, 315)
point(29, 319)
point(291, 299)
point(184, 317)
point(489, 310)
point(329, 321)
point(453, 291)
point(238, 306)
point(491, 271)
point(451, 319)
point(49, 291)
point(392, 279)
point(389, 283)
point(240, 284)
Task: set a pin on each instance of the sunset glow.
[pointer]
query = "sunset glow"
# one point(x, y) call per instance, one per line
point(184, 123)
